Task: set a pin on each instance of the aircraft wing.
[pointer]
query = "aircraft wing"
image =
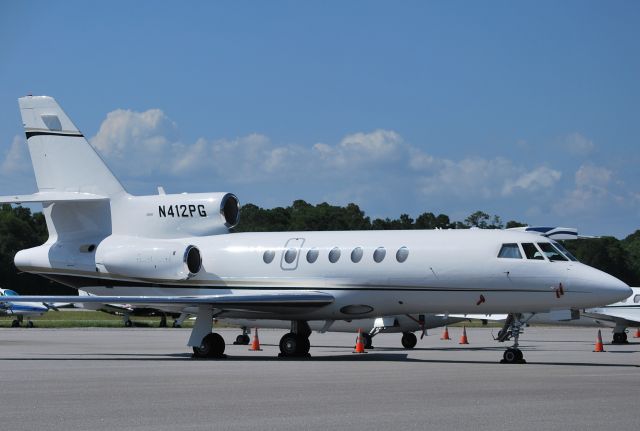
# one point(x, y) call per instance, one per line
point(280, 301)
point(496, 317)
point(52, 197)
point(631, 316)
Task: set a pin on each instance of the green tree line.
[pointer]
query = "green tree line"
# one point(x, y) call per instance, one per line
point(20, 229)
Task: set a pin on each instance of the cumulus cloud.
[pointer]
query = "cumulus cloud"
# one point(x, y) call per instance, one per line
point(578, 145)
point(537, 179)
point(145, 143)
point(591, 190)
point(361, 148)
point(15, 159)
point(138, 141)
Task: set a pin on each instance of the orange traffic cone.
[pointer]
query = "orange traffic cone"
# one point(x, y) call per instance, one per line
point(445, 334)
point(463, 339)
point(255, 344)
point(599, 346)
point(637, 333)
point(359, 343)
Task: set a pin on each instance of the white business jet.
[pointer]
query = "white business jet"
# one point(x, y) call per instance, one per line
point(173, 251)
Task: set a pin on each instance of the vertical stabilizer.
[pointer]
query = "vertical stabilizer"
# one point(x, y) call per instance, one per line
point(62, 158)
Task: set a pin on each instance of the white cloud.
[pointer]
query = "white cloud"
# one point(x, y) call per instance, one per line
point(577, 144)
point(16, 159)
point(139, 142)
point(145, 144)
point(361, 148)
point(537, 179)
point(591, 191)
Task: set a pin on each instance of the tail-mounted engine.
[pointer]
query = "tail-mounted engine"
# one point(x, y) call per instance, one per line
point(175, 215)
point(148, 259)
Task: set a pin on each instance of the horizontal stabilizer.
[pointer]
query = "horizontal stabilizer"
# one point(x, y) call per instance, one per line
point(52, 197)
point(244, 302)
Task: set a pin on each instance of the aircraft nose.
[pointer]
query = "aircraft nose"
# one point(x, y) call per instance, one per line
point(603, 288)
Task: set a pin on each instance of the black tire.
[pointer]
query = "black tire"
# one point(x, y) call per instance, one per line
point(212, 346)
point(510, 355)
point(29, 324)
point(519, 355)
point(409, 340)
point(128, 323)
point(619, 337)
point(242, 339)
point(163, 322)
point(15, 323)
point(368, 340)
point(176, 324)
point(289, 344)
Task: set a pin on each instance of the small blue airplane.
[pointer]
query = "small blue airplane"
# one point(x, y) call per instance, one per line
point(22, 309)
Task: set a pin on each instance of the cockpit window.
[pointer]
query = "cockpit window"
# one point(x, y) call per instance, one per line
point(531, 251)
point(564, 251)
point(552, 253)
point(8, 292)
point(510, 251)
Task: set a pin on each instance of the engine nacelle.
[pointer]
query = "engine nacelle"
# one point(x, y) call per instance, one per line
point(148, 258)
point(175, 215)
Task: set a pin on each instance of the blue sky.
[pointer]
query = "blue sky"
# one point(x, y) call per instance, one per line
point(526, 110)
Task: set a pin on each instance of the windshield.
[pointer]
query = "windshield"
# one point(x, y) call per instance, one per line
point(8, 292)
point(564, 251)
point(552, 253)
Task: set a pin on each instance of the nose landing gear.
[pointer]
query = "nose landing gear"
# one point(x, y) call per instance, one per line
point(512, 328)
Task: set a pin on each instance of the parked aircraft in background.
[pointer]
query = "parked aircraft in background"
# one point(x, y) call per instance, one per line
point(20, 310)
point(401, 324)
point(173, 251)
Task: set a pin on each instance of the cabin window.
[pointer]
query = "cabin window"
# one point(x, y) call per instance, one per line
point(402, 254)
point(510, 251)
point(312, 255)
point(379, 254)
point(268, 256)
point(531, 251)
point(551, 252)
point(290, 255)
point(636, 299)
point(334, 255)
point(356, 255)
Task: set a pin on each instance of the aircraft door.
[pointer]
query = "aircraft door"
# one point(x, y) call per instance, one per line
point(291, 254)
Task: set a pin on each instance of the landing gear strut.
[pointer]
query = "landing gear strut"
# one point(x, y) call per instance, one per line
point(512, 328)
point(295, 344)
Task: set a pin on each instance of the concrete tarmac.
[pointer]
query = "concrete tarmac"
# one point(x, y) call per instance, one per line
point(145, 379)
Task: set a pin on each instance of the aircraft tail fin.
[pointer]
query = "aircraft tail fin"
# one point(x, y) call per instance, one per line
point(63, 160)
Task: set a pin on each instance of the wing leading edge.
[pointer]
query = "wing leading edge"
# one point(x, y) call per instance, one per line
point(264, 302)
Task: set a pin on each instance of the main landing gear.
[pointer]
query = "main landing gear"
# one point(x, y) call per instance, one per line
point(295, 344)
point(512, 328)
point(243, 339)
point(206, 344)
point(17, 322)
point(619, 335)
point(409, 340)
